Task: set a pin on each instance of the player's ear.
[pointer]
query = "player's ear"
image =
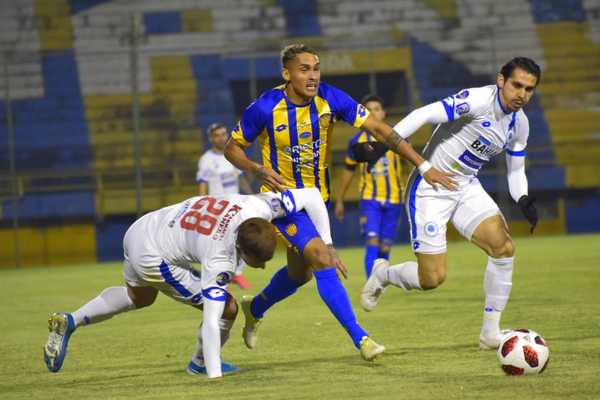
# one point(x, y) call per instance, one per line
point(285, 74)
point(500, 80)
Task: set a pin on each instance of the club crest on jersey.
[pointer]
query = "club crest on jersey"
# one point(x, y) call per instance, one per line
point(462, 95)
point(431, 229)
point(462, 108)
point(223, 278)
point(291, 230)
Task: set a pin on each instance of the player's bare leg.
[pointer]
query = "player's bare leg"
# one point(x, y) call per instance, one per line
point(427, 273)
point(493, 237)
point(111, 301)
point(196, 364)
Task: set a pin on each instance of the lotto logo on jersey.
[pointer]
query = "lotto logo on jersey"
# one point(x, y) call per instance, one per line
point(215, 293)
point(291, 230)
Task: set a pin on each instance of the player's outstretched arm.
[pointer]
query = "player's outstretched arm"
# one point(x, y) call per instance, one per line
point(211, 336)
point(235, 154)
point(385, 134)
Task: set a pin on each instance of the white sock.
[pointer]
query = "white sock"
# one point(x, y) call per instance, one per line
point(405, 276)
point(111, 301)
point(224, 328)
point(497, 283)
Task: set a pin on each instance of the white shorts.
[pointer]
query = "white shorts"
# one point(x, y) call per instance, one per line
point(143, 266)
point(429, 212)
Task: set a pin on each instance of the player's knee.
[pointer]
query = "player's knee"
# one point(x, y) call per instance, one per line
point(141, 297)
point(431, 281)
point(319, 257)
point(503, 249)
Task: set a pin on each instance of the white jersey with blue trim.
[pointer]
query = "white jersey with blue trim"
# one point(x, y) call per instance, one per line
point(478, 128)
point(203, 229)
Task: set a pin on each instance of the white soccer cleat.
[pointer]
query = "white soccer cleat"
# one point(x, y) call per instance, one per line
point(60, 328)
point(369, 349)
point(374, 287)
point(492, 342)
point(250, 331)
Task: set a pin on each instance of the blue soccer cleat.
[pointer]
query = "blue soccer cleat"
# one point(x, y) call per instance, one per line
point(61, 326)
point(200, 369)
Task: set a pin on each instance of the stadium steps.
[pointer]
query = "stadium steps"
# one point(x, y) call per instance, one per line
point(570, 93)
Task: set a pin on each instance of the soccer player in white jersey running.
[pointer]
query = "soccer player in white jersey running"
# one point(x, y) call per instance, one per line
point(474, 125)
point(222, 233)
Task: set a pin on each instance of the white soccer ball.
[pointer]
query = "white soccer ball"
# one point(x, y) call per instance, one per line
point(523, 352)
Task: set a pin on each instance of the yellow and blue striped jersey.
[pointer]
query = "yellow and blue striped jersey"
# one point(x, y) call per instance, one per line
point(294, 137)
point(384, 183)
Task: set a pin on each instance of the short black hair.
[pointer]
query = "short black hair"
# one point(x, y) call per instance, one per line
point(524, 63)
point(214, 126)
point(371, 97)
point(290, 52)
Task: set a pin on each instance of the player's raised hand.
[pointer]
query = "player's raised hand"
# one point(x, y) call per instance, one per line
point(339, 210)
point(270, 179)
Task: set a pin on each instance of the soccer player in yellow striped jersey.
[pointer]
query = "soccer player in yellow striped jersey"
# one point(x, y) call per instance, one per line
point(293, 124)
point(381, 189)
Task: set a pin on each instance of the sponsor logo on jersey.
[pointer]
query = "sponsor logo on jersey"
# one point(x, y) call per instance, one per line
point(181, 211)
point(305, 135)
point(291, 229)
point(223, 278)
point(431, 229)
point(462, 95)
point(224, 224)
point(281, 127)
point(462, 108)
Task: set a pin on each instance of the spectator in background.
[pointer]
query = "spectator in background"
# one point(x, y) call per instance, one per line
point(216, 176)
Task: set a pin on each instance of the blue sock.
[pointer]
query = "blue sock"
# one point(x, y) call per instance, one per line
point(384, 254)
point(280, 287)
point(334, 295)
point(371, 253)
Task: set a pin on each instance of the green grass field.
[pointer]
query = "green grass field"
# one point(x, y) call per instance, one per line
point(431, 338)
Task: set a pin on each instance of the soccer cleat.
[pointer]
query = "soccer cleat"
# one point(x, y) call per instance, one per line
point(250, 331)
point(491, 342)
point(200, 369)
point(241, 281)
point(369, 349)
point(374, 287)
point(61, 326)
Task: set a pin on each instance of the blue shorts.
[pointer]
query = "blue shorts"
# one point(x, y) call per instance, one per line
point(379, 220)
point(297, 229)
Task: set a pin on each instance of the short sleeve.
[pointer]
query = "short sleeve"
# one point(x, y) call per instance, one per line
point(204, 173)
point(250, 126)
point(345, 107)
point(467, 102)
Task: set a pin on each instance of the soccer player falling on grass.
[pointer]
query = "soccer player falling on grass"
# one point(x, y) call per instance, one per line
point(293, 123)
point(474, 125)
point(223, 234)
